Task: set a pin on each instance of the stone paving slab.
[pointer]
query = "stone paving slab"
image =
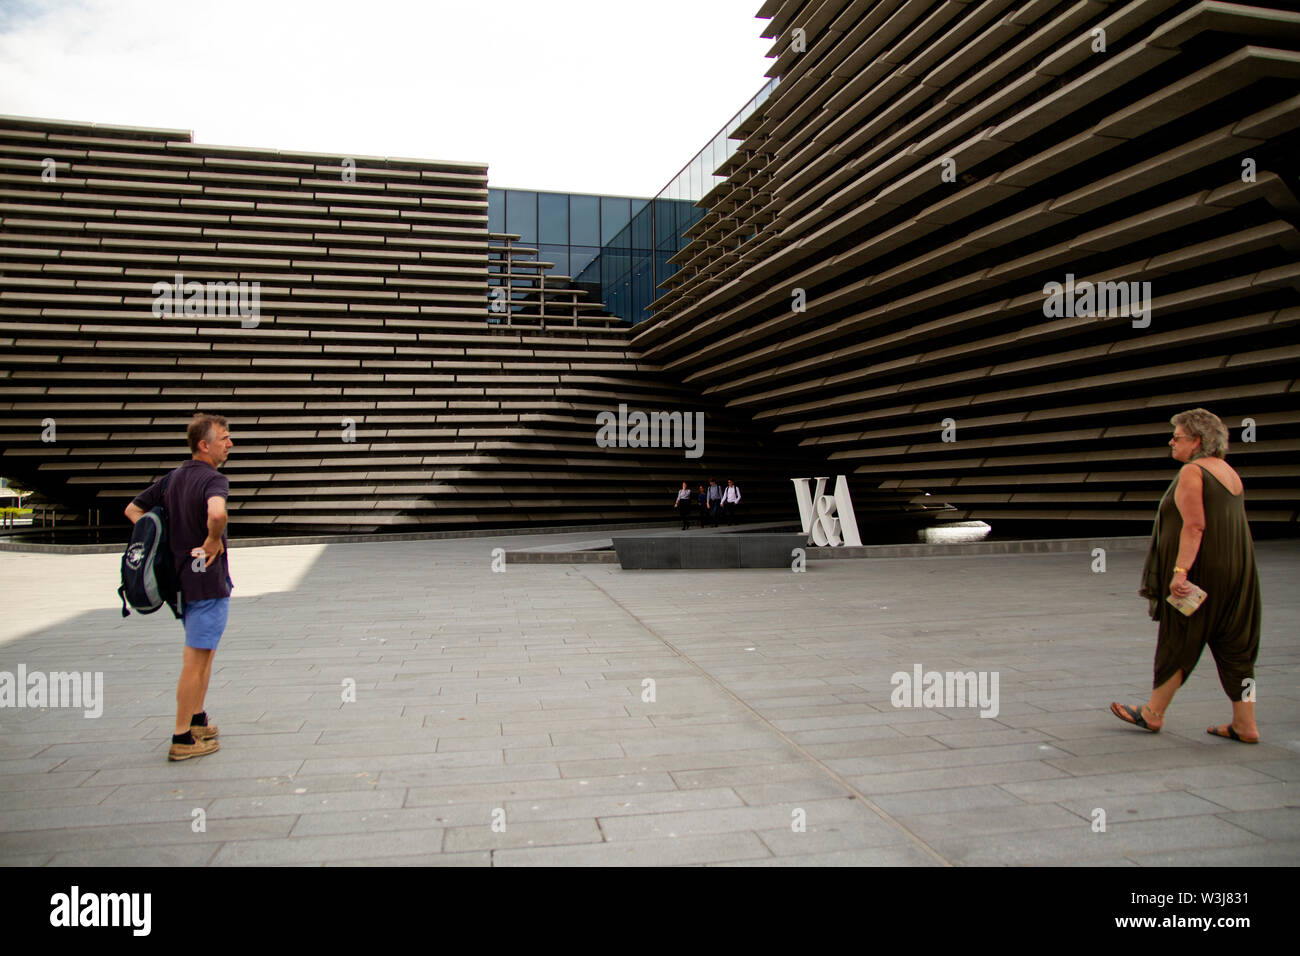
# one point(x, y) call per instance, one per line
point(529, 833)
point(386, 820)
point(710, 848)
point(1079, 845)
point(945, 801)
point(192, 855)
point(1147, 806)
point(787, 791)
point(1282, 823)
point(1063, 787)
point(832, 836)
point(321, 849)
point(582, 715)
point(631, 786)
point(863, 856)
point(1261, 796)
point(694, 822)
point(1268, 854)
point(144, 835)
point(483, 858)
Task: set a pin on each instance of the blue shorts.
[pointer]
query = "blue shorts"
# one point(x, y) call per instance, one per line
point(205, 621)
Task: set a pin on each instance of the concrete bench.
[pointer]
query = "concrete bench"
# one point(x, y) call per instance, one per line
point(680, 551)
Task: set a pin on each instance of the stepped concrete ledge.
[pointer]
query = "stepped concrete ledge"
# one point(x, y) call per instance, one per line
point(598, 550)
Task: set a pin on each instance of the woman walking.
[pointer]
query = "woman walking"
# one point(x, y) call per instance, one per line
point(1201, 532)
point(683, 504)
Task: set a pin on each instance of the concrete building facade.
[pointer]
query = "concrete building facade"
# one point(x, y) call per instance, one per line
point(968, 253)
point(902, 270)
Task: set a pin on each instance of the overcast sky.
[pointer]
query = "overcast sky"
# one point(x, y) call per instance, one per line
point(601, 96)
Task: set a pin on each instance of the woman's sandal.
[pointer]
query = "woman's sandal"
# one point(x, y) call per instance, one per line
point(1133, 715)
point(1231, 735)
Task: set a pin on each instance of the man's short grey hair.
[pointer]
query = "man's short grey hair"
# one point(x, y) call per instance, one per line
point(1205, 425)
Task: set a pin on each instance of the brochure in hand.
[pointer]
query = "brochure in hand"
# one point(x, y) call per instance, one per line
point(1190, 603)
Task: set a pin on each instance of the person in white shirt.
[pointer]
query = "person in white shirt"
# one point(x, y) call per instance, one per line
point(730, 502)
point(683, 504)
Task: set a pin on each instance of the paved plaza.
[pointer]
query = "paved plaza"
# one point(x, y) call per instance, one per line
point(579, 714)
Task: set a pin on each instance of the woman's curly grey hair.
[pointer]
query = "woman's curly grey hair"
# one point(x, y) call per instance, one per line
point(1204, 425)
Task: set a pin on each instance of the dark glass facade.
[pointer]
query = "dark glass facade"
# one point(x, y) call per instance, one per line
point(634, 263)
point(567, 229)
point(631, 265)
point(618, 247)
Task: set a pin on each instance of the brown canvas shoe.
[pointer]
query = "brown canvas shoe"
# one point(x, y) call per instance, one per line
point(197, 749)
point(204, 733)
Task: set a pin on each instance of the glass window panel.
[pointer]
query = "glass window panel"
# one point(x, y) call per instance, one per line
point(496, 210)
point(584, 220)
point(642, 234)
point(665, 222)
point(613, 274)
point(614, 215)
point(521, 214)
point(645, 287)
point(624, 310)
point(553, 218)
point(582, 256)
point(556, 254)
point(663, 270)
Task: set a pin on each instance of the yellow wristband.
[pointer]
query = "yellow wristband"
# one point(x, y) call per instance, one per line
point(1178, 570)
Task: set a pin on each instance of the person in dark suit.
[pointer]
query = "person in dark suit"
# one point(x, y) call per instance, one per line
point(715, 499)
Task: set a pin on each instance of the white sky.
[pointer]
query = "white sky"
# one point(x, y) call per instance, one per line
point(598, 96)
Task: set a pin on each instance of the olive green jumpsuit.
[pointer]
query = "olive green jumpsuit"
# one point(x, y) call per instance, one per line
point(1229, 619)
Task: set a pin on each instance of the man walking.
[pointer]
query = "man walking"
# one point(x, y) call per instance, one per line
point(195, 501)
point(730, 502)
point(714, 500)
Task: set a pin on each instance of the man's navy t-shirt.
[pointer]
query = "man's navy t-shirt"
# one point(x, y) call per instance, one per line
point(188, 490)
